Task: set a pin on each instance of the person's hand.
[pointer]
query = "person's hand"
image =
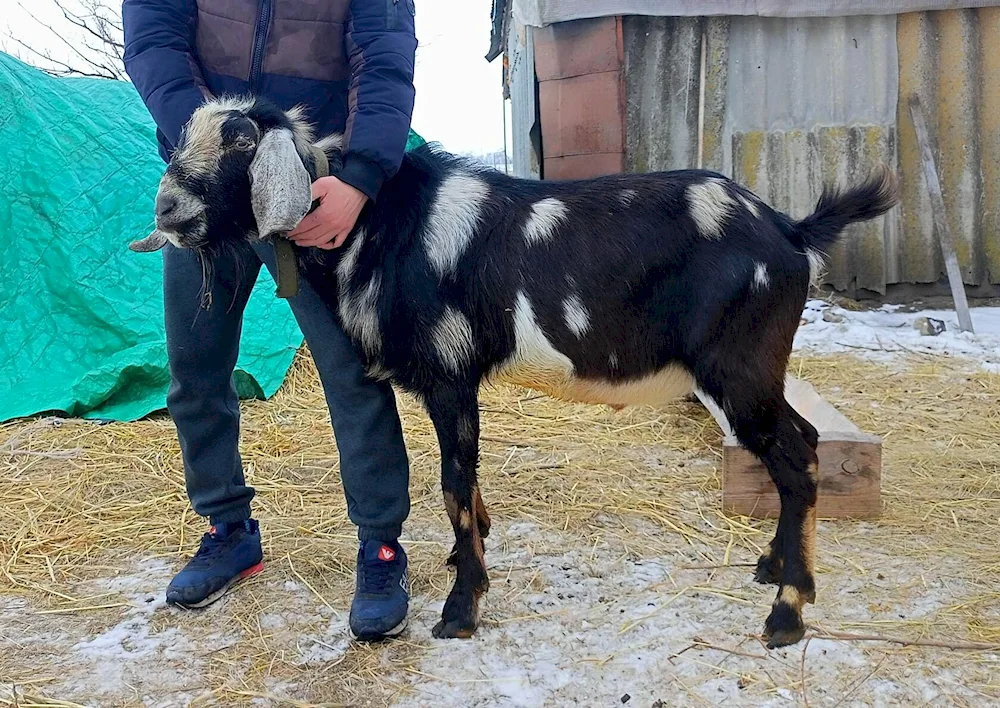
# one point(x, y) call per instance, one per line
point(330, 223)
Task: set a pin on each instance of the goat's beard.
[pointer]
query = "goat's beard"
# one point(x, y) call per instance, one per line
point(207, 276)
point(207, 254)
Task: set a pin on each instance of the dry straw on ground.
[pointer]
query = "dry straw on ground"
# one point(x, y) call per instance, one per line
point(80, 501)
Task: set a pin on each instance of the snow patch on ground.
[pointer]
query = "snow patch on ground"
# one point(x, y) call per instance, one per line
point(598, 627)
point(887, 333)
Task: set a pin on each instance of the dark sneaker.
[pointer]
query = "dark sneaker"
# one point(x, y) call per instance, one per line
point(382, 594)
point(229, 553)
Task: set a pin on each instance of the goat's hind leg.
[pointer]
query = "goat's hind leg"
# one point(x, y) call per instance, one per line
point(769, 564)
point(764, 424)
point(792, 464)
point(454, 409)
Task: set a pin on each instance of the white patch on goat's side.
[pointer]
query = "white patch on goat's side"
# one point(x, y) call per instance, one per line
point(760, 277)
point(538, 365)
point(817, 262)
point(626, 196)
point(546, 216)
point(535, 362)
point(452, 337)
point(613, 360)
point(349, 261)
point(359, 315)
point(711, 205)
point(576, 315)
point(749, 205)
point(453, 218)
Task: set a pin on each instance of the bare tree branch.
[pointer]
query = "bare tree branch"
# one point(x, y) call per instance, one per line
point(92, 35)
point(64, 68)
point(84, 23)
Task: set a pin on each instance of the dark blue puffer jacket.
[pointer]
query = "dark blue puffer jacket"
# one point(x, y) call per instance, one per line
point(348, 62)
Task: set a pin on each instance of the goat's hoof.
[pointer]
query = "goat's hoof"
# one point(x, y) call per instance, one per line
point(455, 629)
point(768, 571)
point(784, 626)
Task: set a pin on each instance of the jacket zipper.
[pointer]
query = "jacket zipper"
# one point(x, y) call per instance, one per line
point(259, 43)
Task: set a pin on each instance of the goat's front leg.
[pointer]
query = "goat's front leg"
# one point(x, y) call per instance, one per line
point(482, 521)
point(454, 409)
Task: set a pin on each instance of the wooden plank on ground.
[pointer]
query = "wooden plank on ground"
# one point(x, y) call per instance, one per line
point(850, 463)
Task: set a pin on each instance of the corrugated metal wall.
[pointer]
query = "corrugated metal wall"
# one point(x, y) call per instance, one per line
point(793, 103)
point(520, 57)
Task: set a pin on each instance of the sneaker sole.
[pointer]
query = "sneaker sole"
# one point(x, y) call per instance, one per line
point(394, 632)
point(248, 573)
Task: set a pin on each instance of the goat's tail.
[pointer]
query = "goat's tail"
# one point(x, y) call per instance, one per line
point(836, 209)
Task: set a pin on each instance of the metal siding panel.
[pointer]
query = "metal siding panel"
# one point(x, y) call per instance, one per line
point(813, 102)
point(950, 60)
point(957, 130)
point(545, 12)
point(989, 111)
point(520, 48)
point(662, 62)
point(716, 89)
point(801, 73)
point(788, 169)
point(917, 259)
point(793, 103)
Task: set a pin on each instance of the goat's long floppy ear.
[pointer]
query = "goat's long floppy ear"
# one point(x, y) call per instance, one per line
point(280, 188)
point(154, 242)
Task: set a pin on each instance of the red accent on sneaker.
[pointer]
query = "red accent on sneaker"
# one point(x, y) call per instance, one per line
point(252, 570)
point(386, 554)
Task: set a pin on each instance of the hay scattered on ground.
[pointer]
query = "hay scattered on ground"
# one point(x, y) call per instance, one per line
point(81, 501)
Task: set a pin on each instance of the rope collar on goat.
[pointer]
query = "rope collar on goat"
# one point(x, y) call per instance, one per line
point(284, 250)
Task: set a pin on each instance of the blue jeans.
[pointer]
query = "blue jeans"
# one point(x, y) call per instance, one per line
point(202, 347)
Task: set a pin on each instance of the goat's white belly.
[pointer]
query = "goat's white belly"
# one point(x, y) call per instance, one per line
point(667, 384)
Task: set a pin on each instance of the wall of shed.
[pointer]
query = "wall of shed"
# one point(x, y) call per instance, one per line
point(791, 104)
point(520, 73)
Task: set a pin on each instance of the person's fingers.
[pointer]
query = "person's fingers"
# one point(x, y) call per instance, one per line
point(312, 231)
point(308, 223)
point(320, 238)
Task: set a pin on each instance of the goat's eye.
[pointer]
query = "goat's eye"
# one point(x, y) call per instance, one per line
point(244, 144)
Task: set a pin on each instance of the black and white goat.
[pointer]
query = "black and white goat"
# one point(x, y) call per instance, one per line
point(620, 290)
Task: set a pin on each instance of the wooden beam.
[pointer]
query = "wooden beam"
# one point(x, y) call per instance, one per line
point(850, 463)
point(940, 216)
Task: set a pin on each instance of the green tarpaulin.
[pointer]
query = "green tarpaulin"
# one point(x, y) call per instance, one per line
point(81, 317)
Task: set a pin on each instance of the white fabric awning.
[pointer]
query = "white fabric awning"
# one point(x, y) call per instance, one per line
point(538, 13)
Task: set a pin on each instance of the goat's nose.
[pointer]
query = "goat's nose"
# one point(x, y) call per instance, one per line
point(165, 204)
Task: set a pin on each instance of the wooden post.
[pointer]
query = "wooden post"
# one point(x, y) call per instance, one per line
point(850, 463)
point(940, 216)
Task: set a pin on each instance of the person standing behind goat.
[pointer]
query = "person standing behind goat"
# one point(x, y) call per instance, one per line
point(349, 63)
